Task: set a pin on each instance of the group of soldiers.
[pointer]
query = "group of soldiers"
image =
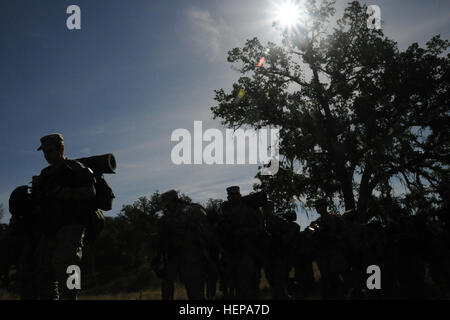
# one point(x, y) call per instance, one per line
point(233, 245)
point(229, 247)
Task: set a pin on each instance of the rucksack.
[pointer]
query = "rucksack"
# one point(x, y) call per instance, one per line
point(104, 195)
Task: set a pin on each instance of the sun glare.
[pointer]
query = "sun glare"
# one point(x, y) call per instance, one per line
point(288, 14)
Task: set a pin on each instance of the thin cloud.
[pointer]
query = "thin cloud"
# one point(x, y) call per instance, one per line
point(408, 33)
point(212, 36)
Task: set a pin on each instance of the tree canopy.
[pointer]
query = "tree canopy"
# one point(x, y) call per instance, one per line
point(354, 111)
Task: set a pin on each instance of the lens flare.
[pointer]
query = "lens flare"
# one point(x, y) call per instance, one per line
point(261, 61)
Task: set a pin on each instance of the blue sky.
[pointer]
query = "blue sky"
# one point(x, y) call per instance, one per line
point(136, 71)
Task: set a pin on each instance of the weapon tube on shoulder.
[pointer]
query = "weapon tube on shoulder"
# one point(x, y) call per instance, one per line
point(255, 200)
point(105, 163)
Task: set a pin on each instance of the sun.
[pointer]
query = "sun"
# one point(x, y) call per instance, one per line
point(288, 14)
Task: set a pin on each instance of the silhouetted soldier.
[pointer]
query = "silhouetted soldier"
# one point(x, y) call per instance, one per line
point(359, 250)
point(279, 256)
point(241, 230)
point(62, 194)
point(214, 252)
point(184, 240)
point(292, 240)
point(305, 254)
point(329, 256)
point(410, 246)
point(26, 235)
point(438, 254)
point(440, 257)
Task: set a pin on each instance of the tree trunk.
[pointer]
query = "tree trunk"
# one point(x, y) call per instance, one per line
point(344, 177)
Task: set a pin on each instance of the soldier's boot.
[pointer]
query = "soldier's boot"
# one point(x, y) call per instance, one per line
point(47, 286)
point(48, 290)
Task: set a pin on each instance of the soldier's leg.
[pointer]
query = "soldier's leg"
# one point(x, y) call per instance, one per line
point(212, 275)
point(195, 289)
point(330, 281)
point(167, 289)
point(304, 275)
point(223, 286)
point(439, 267)
point(211, 278)
point(331, 286)
point(171, 267)
point(359, 281)
point(27, 270)
point(193, 272)
point(286, 267)
point(323, 275)
point(230, 277)
point(246, 286)
point(242, 277)
point(47, 286)
point(68, 251)
point(390, 279)
point(256, 280)
point(276, 278)
point(211, 287)
point(411, 278)
point(269, 271)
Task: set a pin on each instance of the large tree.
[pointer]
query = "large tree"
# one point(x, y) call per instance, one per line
point(353, 110)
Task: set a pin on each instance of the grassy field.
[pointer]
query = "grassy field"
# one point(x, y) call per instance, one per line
point(151, 294)
point(154, 292)
point(180, 292)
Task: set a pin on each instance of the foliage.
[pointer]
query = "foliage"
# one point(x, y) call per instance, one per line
point(354, 111)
